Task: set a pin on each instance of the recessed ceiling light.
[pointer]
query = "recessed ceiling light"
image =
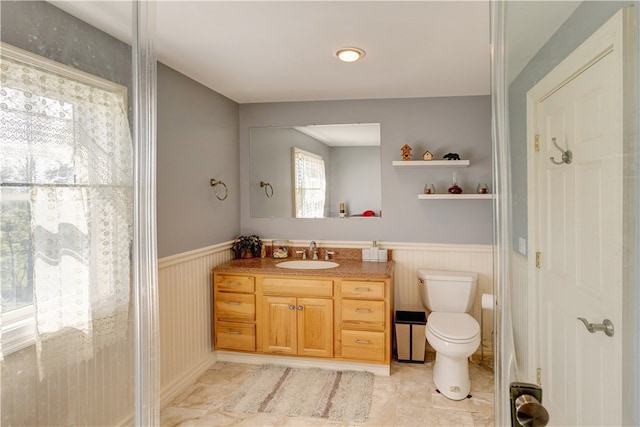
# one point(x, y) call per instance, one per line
point(349, 54)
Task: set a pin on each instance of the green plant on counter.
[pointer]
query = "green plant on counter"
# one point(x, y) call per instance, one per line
point(247, 246)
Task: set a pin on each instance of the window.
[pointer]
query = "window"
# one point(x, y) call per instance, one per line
point(310, 184)
point(65, 205)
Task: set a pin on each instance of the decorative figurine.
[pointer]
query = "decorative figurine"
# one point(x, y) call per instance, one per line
point(427, 155)
point(451, 156)
point(406, 152)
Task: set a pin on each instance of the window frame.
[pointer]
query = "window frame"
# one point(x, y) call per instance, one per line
point(296, 152)
point(19, 325)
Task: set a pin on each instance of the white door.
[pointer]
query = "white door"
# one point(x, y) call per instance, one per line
point(579, 231)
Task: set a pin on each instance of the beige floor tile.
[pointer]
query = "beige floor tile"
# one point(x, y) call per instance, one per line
point(382, 414)
point(480, 420)
point(173, 416)
point(405, 398)
point(440, 417)
point(479, 402)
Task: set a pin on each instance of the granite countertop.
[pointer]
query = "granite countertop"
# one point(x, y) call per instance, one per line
point(348, 268)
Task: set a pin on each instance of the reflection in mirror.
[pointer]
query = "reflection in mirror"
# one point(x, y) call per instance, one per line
point(313, 170)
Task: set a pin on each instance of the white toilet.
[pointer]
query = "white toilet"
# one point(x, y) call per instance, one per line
point(450, 331)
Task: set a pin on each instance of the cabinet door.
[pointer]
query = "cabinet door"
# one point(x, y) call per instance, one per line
point(315, 327)
point(279, 331)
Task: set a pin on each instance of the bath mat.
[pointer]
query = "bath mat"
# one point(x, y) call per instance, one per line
point(306, 392)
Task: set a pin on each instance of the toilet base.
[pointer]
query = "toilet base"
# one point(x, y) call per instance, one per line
point(451, 376)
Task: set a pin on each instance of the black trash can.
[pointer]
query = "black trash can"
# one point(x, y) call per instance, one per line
point(410, 338)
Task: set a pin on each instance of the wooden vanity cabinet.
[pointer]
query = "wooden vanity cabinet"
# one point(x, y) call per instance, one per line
point(297, 316)
point(365, 326)
point(325, 317)
point(234, 312)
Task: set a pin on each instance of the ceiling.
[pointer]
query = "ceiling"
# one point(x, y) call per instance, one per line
point(268, 51)
point(344, 135)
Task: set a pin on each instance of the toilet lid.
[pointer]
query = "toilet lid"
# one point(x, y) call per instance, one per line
point(453, 326)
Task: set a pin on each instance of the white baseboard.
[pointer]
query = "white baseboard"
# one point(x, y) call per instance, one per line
point(302, 362)
point(170, 392)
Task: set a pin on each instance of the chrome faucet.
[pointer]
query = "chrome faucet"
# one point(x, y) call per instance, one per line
point(313, 250)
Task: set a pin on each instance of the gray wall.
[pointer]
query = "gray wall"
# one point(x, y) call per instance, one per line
point(197, 141)
point(271, 161)
point(43, 29)
point(586, 19)
point(355, 180)
point(441, 125)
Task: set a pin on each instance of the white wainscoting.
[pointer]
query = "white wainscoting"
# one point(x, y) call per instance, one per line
point(184, 283)
point(184, 294)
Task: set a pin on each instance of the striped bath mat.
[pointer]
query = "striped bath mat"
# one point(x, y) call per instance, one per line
point(306, 392)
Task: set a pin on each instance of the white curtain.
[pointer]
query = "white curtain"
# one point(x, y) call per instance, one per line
point(66, 141)
point(310, 184)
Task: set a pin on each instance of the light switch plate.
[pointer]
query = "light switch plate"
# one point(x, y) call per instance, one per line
point(522, 246)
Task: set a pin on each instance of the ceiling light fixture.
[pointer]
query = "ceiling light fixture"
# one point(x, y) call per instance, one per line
point(349, 54)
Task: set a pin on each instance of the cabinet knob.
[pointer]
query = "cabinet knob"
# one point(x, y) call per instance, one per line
point(300, 308)
point(292, 307)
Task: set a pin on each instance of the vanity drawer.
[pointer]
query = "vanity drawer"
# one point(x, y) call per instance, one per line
point(363, 345)
point(365, 290)
point(362, 314)
point(224, 282)
point(232, 306)
point(297, 287)
point(235, 336)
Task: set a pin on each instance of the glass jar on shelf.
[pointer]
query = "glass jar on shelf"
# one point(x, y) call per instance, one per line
point(280, 248)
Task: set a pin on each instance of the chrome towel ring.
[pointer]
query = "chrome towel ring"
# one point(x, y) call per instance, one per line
point(268, 189)
point(214, 184)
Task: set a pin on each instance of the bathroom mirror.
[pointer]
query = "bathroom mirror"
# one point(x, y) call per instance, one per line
point(309, 171)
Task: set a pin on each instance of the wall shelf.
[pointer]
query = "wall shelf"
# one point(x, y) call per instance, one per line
point(432, 163)
point(455, 196)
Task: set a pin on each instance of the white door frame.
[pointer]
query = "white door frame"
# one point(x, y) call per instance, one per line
point(618, 37)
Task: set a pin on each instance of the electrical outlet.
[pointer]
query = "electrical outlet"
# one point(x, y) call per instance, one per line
point(522, 246)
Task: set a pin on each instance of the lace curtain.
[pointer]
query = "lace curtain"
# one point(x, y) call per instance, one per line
point(66, 144)
point(310, 184)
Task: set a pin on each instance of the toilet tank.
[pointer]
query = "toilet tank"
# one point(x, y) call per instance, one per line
point(448, 291)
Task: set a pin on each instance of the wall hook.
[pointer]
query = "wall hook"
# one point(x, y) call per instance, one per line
point(215, 183)
point(567, 156)
point(268, 189)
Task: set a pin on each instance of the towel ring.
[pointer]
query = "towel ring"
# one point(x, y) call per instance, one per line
point(268, 189)
point(214, 184)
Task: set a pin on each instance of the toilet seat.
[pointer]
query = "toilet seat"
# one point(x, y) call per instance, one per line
point(453, 327)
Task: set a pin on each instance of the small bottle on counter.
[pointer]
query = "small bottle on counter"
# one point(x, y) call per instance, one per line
point(342, 210)
point(280, 248)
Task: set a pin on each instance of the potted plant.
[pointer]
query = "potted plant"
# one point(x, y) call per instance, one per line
point(247, 246)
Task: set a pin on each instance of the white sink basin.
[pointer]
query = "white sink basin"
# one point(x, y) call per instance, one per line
point(302, 264)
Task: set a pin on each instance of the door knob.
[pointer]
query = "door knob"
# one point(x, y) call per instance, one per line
point(530, 412)
point(606, 326)
point(526, 405)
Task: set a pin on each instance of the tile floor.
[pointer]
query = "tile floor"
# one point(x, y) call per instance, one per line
point(405, 398)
